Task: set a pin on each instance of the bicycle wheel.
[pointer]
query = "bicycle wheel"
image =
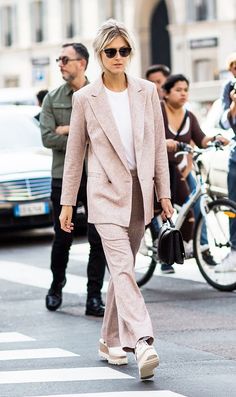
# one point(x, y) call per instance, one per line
point(146, 258)
point(217, 222)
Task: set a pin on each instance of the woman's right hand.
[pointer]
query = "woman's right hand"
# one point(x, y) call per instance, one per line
point(66, 217)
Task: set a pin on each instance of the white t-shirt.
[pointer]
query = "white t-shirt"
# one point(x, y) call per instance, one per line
point(119, 102)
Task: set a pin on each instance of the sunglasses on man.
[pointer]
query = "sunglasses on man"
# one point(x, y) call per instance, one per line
point(64, 60)
point(123, 51)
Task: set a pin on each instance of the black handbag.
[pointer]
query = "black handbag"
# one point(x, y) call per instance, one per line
point(170, 244)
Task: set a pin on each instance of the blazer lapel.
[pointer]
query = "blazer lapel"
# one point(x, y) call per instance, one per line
point(137, 105)
point(102, 111)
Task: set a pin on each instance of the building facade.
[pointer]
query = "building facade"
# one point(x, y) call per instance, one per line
point(193, 37)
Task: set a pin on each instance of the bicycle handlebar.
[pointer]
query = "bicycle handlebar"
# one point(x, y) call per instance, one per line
point(185, 148)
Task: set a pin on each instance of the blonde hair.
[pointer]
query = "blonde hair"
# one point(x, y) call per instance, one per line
point(108, 31)
point(231, 59)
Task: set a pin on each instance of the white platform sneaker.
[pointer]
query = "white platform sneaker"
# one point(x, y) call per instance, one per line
point(147, 359)
point(114, 355)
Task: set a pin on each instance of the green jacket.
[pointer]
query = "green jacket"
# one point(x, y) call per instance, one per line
point(56, 110)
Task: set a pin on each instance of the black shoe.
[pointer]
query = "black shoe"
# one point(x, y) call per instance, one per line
point(208, 258)
point(95, 307)
point(54, 296)
point(167, 269)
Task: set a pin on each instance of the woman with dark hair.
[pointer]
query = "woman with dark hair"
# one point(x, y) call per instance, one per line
point(182, 126)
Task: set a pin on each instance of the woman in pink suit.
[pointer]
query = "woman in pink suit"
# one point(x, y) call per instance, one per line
point(117, 120)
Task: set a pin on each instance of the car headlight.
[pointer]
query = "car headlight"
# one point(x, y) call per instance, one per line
point(2, 195)
point(3, 203)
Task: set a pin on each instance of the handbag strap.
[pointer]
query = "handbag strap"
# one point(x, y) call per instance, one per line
point(170, 222)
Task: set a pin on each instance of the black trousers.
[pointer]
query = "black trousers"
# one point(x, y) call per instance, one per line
point(62, 242)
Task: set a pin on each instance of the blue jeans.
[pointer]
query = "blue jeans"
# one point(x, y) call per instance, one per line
point(192, 185)
point(232, 196)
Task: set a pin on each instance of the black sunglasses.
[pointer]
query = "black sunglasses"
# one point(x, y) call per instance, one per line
point(64, 60)
point(123, 51)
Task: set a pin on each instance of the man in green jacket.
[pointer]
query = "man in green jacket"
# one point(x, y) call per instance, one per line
point(54, 124)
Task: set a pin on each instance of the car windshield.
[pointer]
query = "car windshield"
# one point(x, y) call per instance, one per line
point(18, 131)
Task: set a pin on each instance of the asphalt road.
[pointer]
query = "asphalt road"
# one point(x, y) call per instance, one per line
point(55, 354)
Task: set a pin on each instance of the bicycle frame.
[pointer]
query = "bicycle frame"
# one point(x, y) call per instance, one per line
point(199, 192)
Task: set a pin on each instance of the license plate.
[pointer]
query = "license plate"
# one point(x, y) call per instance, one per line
point(31, 209)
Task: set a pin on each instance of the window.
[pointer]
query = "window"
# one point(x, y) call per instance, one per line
point(11, 81)
point(118, 9)
point(203, 69)
point(37, 21)
point(8, 25)
point(111, 9)
point(201, 10)
point(72, 17)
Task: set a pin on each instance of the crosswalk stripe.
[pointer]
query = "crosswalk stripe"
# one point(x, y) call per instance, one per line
point(188, 271)
point(6, 337)
point(22, 354)
point(61, 375)
point(156, 393)
point(39, 277)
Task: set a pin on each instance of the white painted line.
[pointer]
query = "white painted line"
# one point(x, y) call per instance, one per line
point(34, 353)
point(188, 271)
point(39, 277)
point(60, 375)
point(157, 393)
point(6, 337)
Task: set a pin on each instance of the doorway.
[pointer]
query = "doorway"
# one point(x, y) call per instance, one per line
point(160, 40)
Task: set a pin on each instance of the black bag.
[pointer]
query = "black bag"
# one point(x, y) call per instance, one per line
point(170, 244)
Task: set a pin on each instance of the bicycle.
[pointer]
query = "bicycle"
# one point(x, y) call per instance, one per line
point(215, 216)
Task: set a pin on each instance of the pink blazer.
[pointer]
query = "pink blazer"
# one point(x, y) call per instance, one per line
point(109, 186)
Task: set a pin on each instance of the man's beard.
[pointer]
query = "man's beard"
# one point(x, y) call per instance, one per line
point(68, 78)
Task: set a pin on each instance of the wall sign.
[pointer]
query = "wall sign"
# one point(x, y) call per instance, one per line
point(204, 43)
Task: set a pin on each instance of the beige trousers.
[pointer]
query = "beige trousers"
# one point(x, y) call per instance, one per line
point(126, 318)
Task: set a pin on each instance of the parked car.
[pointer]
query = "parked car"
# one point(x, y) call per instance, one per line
point(18, 96)
point(25, 171)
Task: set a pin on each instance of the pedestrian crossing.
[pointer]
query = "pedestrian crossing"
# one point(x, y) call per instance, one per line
point(14, 337)
point(61, 375)
point(33, 353)
point(157, 393)
point(34, 276)
point(57, 376)
point(39, 277)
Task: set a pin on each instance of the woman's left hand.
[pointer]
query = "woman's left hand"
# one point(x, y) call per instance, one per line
point(167, 209)
point(222, 139)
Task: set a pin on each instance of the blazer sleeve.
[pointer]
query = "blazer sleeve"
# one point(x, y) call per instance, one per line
point(161, 173)
point(75, 153)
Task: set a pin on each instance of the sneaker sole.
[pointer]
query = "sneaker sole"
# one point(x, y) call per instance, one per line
point(103, 353)
point(113, 360)
point(146, 371)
